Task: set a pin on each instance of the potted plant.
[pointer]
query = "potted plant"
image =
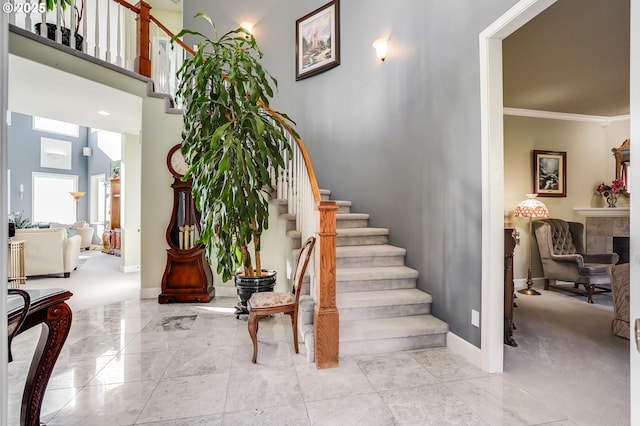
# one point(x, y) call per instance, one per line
point(232, 145)
point(66, 32)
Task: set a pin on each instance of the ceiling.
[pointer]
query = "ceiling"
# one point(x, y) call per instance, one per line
point(171, 5)
point(572, 58)
point(36, 89)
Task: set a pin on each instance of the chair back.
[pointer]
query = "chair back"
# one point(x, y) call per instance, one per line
point(563, 237)
point(301, 266)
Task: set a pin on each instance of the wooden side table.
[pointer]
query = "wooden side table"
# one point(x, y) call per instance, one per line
point(509, 246)
point(16, 264)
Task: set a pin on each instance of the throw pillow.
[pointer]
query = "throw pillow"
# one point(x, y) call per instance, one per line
point(71, 232)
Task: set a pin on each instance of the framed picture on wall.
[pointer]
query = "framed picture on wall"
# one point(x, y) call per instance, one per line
point(318, 40)
point(550, 173)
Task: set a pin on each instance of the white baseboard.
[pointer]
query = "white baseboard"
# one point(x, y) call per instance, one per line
point(522, 283)
point(225, 291)
point(130, 268)
point(154, 292)
point(150, 293)
point(461, 347)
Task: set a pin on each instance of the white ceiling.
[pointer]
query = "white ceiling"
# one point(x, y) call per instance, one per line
point(171, 5)
point(572, 58)
point(36, 89)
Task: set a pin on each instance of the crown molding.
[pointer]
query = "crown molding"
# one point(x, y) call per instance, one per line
point(603, 120)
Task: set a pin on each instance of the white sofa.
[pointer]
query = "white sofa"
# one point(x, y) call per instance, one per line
point(81, 228)
point(49, 251)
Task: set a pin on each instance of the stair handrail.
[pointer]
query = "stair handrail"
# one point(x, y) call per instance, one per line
point(323, 223)
point(294, 181)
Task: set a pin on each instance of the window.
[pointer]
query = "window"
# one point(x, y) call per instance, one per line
point(55, 126)
point(97, 198)
point(51, 199)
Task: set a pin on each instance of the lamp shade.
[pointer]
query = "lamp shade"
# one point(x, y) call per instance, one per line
point(531, 207)
point(77, 195)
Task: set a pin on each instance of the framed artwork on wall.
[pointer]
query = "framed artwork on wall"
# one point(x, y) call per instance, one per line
point(550, 173)
point(318, 40)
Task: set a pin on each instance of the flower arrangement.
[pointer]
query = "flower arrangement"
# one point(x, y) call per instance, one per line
point(617, 187)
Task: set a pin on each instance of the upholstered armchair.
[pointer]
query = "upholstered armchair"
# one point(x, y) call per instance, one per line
point(620, 293)
point(563, 256)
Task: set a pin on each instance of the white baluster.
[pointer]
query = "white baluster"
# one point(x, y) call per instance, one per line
point(108, 53)
point(12, 15)
point(84, 27)
point(96, 48)
point(72, 24)
point(27, 19)
point(43, 25)
point(118, 50)
point(58, 22)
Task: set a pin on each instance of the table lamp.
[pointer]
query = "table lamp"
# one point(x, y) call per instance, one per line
point(530, 208)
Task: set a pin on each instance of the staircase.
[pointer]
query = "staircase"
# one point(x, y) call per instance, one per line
point(381, 310)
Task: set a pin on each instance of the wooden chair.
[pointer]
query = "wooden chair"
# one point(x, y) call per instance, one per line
point(269, 302)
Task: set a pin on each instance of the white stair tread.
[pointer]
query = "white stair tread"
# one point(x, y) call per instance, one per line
point(361, 232)
point(375, 273)
point(370, 250)
point(388, 328)
point(325, 192)
point(378, 298)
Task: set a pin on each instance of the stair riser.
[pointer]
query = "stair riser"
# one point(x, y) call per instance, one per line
point(353, 314)
point(296, 243)
point(283, 208)
point(369, 261)
point(291, 225)
point(344, 209)
point(367, 240)
point(375, 285)
point(368, 347)
point(351, 223)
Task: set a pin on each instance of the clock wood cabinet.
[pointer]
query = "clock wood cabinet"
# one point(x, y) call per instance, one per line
point(187, 276)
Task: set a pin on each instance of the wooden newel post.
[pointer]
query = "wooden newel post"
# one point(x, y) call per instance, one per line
point(142, 63)
point(325, 312)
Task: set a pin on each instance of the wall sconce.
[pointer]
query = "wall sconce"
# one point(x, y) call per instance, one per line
point(248, 26)
point(21, 190)
point(381, 46)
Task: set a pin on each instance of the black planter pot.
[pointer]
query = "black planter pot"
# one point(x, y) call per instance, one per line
point(66, 35)
point(246, 286)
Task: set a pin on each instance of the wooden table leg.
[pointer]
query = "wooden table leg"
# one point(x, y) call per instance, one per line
point(56, 323)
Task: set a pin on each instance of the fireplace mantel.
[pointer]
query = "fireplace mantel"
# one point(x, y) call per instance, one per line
point(602, 212)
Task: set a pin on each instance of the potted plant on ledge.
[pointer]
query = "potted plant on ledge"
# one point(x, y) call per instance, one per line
point(233, 147)
point(66, 32)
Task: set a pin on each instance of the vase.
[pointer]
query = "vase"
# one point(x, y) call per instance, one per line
point(612, 199)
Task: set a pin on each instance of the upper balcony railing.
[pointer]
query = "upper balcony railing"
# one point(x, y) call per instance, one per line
point(129, 36)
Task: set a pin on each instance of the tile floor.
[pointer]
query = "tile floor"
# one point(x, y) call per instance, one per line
point(138, 362)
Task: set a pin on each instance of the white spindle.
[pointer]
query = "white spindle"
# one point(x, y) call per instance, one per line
point(96, 48)
point(118, 50)
point(130, 50)
point(58, 22)
point(43, 25)
point(72, 24)
point(12, 15)
point(27, 19)
point(84, 26)
point(108, 53)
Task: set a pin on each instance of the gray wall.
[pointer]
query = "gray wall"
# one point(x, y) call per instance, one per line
point(24, 158)
point(399, 138)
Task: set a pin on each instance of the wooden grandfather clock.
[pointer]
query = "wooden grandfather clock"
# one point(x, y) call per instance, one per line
point(187, 276)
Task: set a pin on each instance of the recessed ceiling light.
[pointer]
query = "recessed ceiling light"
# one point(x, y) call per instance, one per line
point(103, 113)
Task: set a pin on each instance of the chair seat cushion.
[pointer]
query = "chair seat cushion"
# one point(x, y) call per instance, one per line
point(268, 299)
point(594, 269)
